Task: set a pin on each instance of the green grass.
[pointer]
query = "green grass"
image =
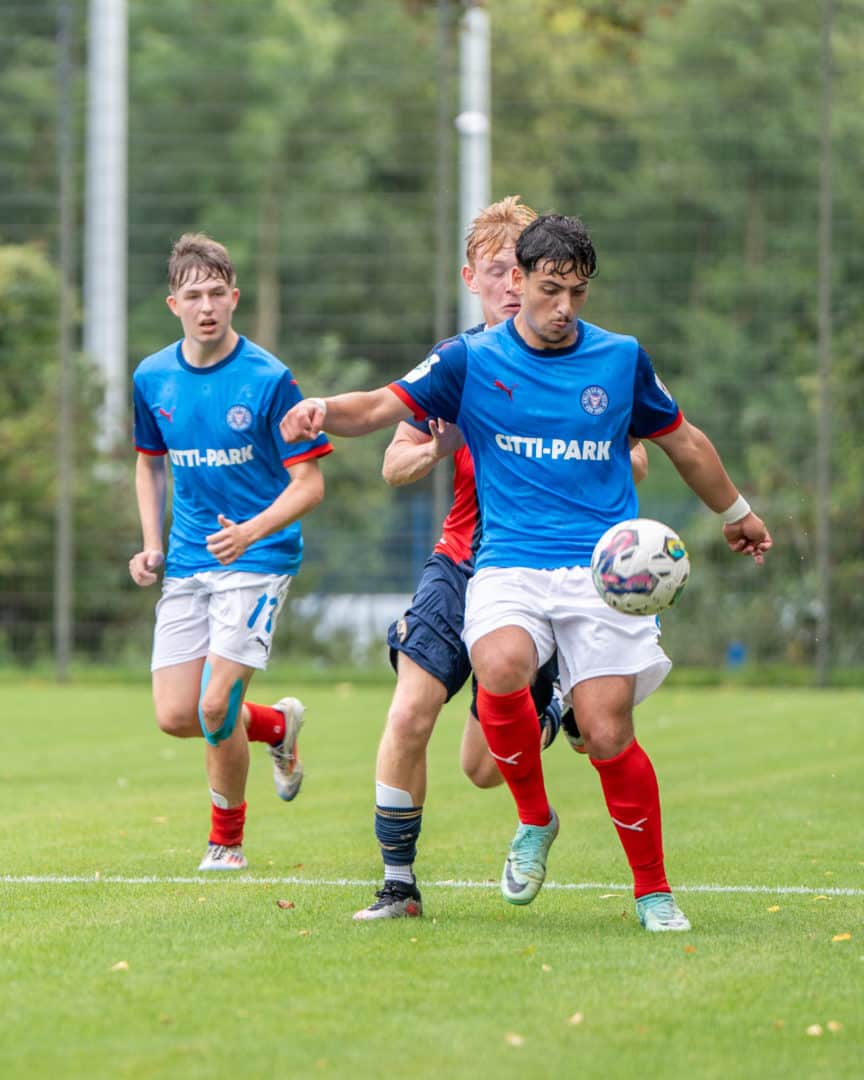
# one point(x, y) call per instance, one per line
point(761, 789)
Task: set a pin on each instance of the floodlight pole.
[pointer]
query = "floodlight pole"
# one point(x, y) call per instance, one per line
point(442, 475)
point(823, 479)
point(64, 533)
point(473, 126)
point(105, 227)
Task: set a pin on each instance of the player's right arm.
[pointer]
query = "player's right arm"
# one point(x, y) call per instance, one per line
point(151, 486)
point(413, 454)
point(357, 413)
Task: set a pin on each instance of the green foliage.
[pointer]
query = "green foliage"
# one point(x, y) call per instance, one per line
point(28, 450)
point(688, 135)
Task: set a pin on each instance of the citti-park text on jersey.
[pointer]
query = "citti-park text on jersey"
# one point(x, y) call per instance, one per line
point(531, 446)
point(214, 457)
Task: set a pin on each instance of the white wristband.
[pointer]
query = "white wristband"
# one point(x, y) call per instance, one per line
point(738, 510)
point(320, 403)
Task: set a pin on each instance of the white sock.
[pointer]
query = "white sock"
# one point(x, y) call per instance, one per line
point(399, 873)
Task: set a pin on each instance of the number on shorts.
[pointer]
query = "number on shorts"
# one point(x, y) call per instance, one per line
point(263, 601)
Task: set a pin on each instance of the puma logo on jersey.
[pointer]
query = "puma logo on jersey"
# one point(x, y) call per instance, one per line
point(508, 390)
point(168, 413)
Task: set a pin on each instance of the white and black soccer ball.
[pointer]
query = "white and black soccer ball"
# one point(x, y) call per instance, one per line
point(640, 567)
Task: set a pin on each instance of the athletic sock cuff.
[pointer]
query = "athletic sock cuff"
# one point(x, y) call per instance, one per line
point(606, 763)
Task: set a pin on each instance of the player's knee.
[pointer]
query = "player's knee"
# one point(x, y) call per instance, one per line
point(212, 709)
point(503, 675)
point(606, 737)
point(178, 722)
point(218, 710)
point(410, 724)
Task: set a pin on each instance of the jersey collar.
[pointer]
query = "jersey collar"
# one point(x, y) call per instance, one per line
point(520, 341)
point(224, 362)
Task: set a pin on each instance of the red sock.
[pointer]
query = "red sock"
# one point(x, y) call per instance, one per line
point(266, 724)
point(509, 722)
point(633, 799)
point(226, 826)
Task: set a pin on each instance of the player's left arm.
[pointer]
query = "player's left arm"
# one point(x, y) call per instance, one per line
point(638, 460)
point(413, 454)
point(301, 495)
point(697, 461)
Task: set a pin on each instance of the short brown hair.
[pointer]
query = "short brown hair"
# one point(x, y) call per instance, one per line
point(196, 255)
point(497, 226)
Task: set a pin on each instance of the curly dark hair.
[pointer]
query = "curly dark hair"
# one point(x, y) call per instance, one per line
point(562, 241)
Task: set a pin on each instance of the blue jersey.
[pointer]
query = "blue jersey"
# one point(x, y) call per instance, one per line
point(548, 430)
point(219, 427)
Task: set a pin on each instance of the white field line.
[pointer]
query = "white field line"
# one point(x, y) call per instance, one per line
point(339, 883)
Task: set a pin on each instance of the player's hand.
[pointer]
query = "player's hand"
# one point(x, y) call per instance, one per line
point(230, 542)
point(304, 421)
point(749, 537)
point(145, 566)
point(447, 438)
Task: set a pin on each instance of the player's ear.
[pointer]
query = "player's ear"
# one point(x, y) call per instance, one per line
point(171, 301)
point(517, 278)
point(235, 296)
point(470, 279)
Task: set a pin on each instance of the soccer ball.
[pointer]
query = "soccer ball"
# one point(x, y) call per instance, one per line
point(640, 567)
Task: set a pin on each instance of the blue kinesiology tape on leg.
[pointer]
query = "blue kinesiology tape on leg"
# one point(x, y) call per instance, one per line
point(235, 700)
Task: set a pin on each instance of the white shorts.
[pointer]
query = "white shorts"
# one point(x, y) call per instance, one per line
point(562, 610)
point(230, 613)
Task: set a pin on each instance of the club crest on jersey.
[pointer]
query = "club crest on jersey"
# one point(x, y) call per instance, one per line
point(422, 368)
point(595, 400)
point(239, 417)
point(661, 385)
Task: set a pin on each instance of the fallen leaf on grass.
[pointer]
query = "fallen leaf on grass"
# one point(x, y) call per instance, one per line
point(609, 896)
point(821, 897)
point(834, 1026)
point(842, 937)
point(779, 1025)
point(814, 1029)
point(689, 948)
point(512, 1039)
point(285, 904)
point(304, 933)
point(121, 965)
point(575, 1019)
point(545, 967)
point(774, 907)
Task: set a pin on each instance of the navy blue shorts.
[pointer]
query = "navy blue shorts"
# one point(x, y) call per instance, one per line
point(430, 632)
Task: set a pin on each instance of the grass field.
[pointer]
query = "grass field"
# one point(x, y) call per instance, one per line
point(117, 960)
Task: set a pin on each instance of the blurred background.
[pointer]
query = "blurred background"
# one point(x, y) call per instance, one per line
point(339, 148)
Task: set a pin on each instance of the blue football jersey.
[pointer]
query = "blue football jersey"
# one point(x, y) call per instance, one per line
point(548, 430)
point(219, 427)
